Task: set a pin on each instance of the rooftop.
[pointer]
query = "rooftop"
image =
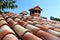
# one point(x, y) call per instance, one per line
point(15, 28)
point(22, 27)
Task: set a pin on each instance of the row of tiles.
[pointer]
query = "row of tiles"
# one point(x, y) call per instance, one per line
point(21, 29)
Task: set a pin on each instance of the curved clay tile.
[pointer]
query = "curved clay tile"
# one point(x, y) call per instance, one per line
point(21, 31)
point(5, 31)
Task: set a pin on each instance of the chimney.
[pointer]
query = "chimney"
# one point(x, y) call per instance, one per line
point(36, 11)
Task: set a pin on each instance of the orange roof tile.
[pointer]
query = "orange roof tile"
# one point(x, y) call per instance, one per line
point(14, 28)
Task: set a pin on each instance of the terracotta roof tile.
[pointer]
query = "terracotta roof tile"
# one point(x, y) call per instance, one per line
point(14, 28)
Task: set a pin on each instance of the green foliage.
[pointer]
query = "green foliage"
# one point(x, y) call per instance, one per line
point(7, 4)
point(53, 18)
point(44, 17)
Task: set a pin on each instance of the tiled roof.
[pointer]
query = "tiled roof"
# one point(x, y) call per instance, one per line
point(15, 27)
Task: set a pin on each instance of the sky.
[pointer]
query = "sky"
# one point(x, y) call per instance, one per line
point(50, 7)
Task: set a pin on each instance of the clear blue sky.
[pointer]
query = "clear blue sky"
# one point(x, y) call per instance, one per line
point(50, 7)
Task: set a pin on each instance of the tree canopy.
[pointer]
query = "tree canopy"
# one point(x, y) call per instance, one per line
point(53, 18)
point(43, 17)
point(7, 4)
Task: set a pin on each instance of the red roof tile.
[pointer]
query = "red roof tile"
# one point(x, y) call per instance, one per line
point(14, 28)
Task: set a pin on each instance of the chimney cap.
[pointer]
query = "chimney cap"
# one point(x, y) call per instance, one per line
point(35, 8)
point(24, 13)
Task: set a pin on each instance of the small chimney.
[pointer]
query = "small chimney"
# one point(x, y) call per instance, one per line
point(36, 11)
